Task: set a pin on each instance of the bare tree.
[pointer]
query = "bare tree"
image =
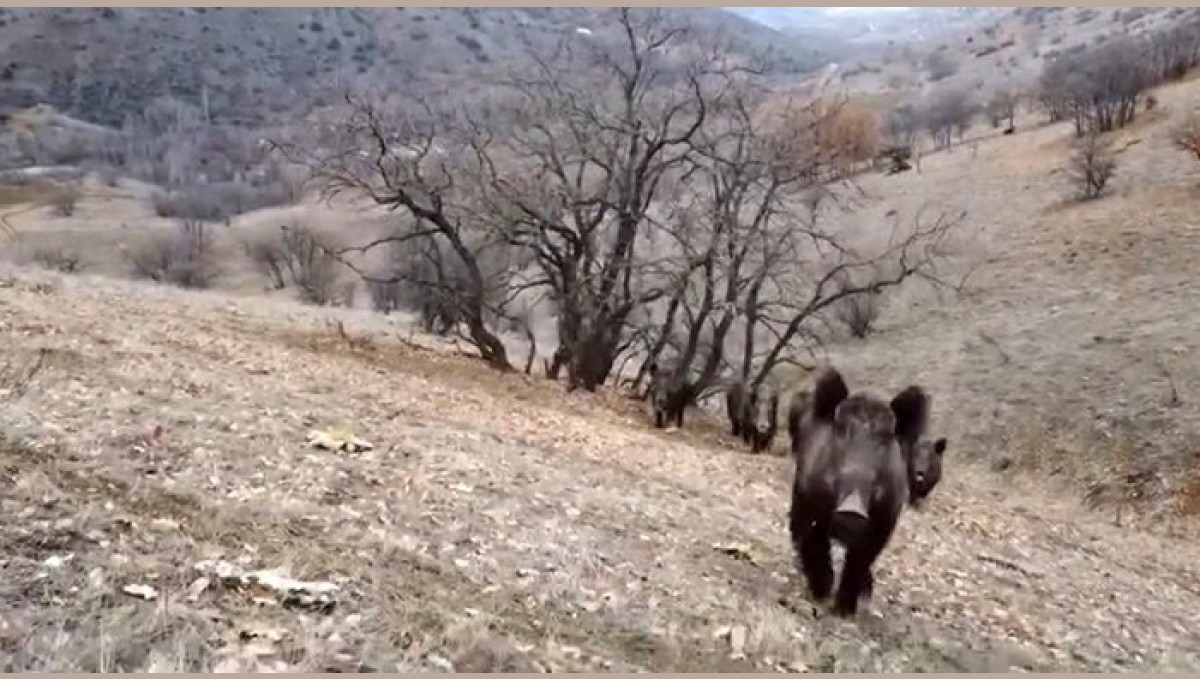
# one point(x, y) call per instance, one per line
point(947, 113)
point(940, 65)
point(902, 125)
point(858, 313)
point(1092, 165)
point(186, 257)
point(836, 271)
point(756, 266)
point(296, 256)
point(742, 174)
point(1050, 101)
point(628, 180)
point(1100, 88)
point(1173, 51)
point(1002, 107)
point(403, 157)
point(1187, 135)
point(593, 132)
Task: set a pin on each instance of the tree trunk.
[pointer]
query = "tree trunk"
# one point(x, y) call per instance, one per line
point(491, 349)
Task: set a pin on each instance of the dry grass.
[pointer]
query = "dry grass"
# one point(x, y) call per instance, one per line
point(500, 522)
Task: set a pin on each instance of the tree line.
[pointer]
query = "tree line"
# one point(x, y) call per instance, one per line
point(657, 198)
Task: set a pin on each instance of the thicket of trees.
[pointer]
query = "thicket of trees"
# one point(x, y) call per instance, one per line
point(634, 187)
point(1101, 88)
point(944, 115)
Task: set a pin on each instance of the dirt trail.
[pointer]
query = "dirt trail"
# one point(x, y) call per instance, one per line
point(497, 522)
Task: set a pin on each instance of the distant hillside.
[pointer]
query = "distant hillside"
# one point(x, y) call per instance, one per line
point(251, 65)
point(855, 28)
point(976, 48)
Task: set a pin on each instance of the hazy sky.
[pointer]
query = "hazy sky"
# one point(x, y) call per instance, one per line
point(839, 10)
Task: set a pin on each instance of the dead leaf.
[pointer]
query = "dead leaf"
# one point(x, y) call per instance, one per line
point(57, 561)
point(164, 525)
point(198, 587)
point(338, 440)
point(274, 634)
point(145, 592)
point(272, 586)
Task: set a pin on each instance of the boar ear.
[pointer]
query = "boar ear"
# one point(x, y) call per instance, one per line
point(828, 393)
point(939, 446)
point(911, 408)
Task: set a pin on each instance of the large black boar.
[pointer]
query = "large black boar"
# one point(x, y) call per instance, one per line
point(753, 413)
point(924, 469)
point(671, 392)
point(798, 409)
point(851, 483)
point(762, 420)
point(736, 399)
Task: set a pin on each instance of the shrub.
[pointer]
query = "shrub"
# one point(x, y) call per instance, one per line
point(1092, 165)
point(347, 292)
point(221, 201)
point(385, 295)
point(940, 66)
point(313, 268)
point(947, 112)
point(64, 199)
point(109, 176)
point(194, 204)
point(1187, 135)
point(296, 257)
point(58, 259)
point(184, 257)
point(858, 313)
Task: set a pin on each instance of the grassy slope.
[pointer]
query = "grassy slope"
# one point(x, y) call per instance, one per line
point(499, 522)
point(999, 47)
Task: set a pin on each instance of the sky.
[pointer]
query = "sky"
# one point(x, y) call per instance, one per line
point(840, 10)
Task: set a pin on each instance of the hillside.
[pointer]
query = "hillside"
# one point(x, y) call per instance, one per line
point(256, 65)
point(863, 27)
point(465, 538)
point(982, 47)
point(232, 479)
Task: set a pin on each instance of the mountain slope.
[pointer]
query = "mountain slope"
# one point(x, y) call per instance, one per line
point(256, 64)
point(498, 522)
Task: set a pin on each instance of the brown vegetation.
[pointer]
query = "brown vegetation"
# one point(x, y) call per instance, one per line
point(1092, 165)
point(645, 201)
point(554, 198)
point(1187, 135)
point(185, 257)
